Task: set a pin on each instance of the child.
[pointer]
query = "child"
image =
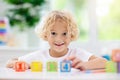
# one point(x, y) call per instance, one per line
point(59, 29)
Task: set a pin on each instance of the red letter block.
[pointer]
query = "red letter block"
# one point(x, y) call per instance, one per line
point(20, 66)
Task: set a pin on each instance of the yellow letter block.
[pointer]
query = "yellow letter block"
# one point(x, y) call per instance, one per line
point(36, 66)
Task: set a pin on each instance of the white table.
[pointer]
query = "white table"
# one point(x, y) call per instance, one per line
point(9, 74)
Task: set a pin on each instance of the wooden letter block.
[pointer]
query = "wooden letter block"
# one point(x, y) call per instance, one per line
point(118, 67)
point(111, 67)
point(65, 66)
point(36, 66)
point(116, 55)
point(20, 66)
point(52, 66)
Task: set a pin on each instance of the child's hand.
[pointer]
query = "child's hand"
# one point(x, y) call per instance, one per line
point(26, 66)
point(11, 64)
point(76, 63)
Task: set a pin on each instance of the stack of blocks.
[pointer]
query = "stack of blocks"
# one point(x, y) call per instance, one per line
point(2, 32)
point(114, 65)
point(116, 58)
point(37, 66)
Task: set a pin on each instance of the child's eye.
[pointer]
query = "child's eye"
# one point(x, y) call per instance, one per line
point(64, 33)
point(53, 33)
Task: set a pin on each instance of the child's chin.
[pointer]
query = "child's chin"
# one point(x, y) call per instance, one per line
point(59, 50)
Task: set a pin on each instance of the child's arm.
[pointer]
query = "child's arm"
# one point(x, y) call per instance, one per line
point(93, 63)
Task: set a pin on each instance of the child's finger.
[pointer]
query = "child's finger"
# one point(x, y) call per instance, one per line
point(27, 66)
point(75, 61)
point(14, 65)
point(80, 67)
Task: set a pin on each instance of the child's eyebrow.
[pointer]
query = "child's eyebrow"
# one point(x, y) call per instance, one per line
point(53, 31)
point(56, 31)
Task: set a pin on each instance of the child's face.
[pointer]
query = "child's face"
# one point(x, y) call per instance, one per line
point(59, 38)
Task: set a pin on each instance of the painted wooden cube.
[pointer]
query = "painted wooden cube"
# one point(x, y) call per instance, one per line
point(52, 66)
point(106, 56)
point(36, 66)
point(65, 66)
point(118, 67)
point(20, 66)
point(116, 55)
point(111, 67)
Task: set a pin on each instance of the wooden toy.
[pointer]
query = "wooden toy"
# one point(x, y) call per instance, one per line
point(116, 58)
point(111, 66)
point(20, 66)
point(36, 66)
point(106, 56)
point(52, 66)
point(3, 30)
point(116, 55)
point(65, 66)
point(118, 67)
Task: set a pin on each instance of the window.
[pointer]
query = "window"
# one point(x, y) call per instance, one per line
point(108, 14)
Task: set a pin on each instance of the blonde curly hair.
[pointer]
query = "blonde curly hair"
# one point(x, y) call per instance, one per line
point(50, 20)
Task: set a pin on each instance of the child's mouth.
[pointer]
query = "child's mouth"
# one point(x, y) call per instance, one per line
point(59, 44)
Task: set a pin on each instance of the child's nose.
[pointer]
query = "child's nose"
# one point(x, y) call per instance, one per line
point(59, 38)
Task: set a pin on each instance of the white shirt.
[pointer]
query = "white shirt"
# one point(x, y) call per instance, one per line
point(44, 56)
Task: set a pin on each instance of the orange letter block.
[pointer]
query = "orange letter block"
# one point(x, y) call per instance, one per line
point(20, 66)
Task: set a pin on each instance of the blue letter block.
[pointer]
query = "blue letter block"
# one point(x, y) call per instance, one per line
point(65, 66)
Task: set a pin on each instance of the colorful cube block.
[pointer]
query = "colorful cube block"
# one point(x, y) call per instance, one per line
point(111, 67)
point(20, 66)
point(106, 56)
point(65, 66)
point(3, 30)
point(36, 66)
point(118, 67)
point(116, 55)
point(52, 66)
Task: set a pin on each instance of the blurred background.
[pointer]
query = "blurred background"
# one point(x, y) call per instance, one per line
point(98, 21)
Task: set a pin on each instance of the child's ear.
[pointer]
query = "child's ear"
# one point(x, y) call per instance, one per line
point(46, 38)
point(71, 38)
